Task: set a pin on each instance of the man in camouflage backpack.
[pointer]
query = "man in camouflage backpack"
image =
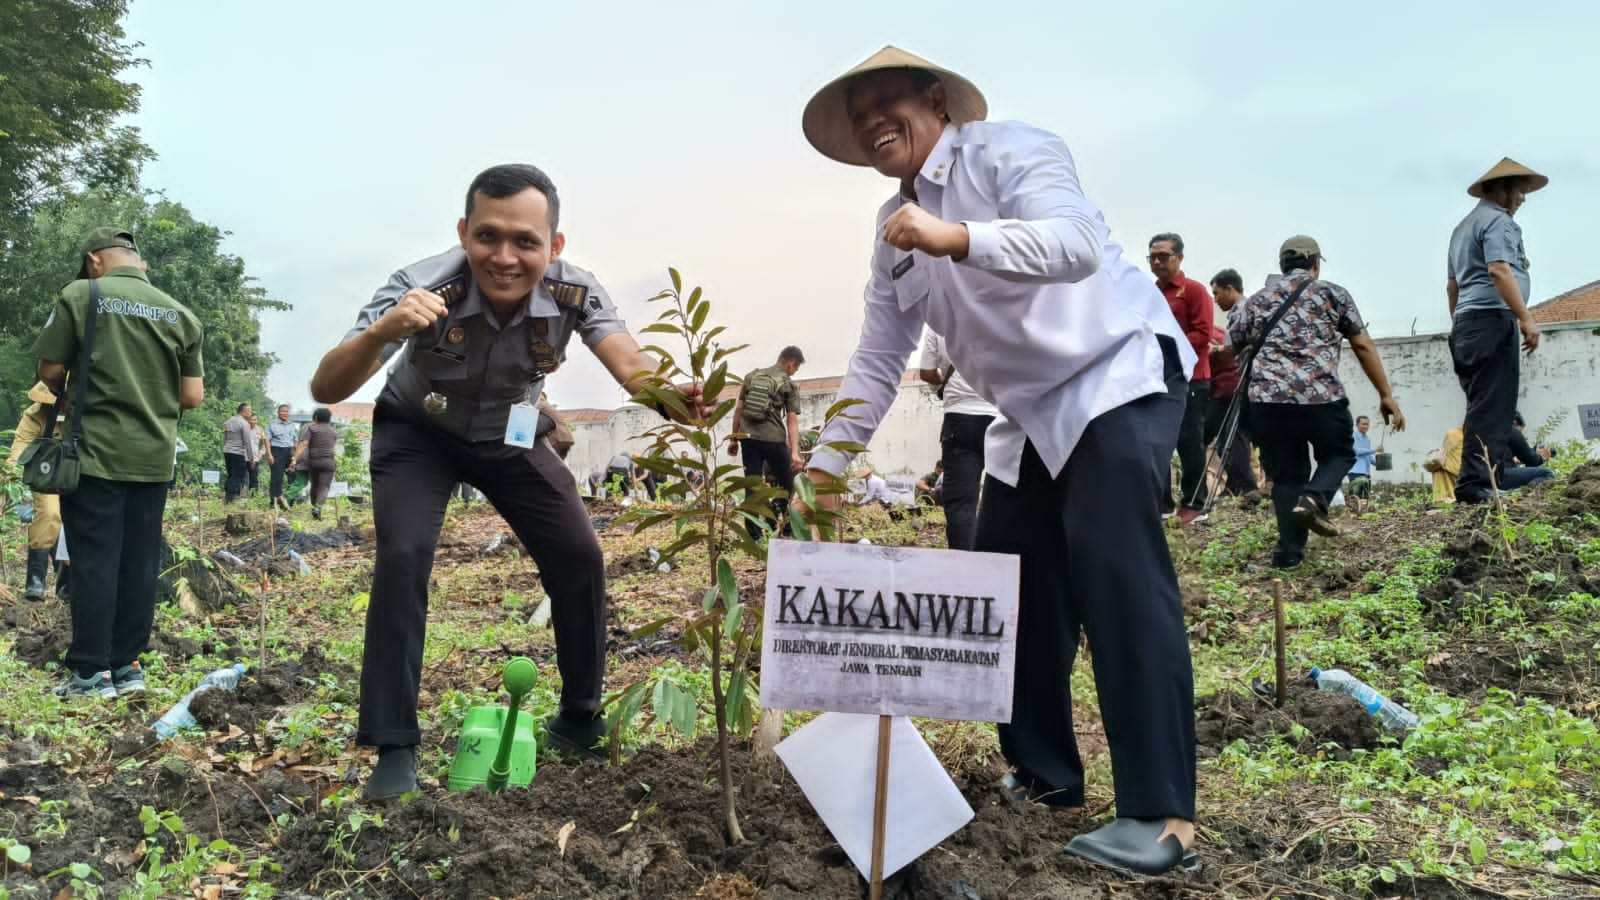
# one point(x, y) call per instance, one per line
point(768, 416)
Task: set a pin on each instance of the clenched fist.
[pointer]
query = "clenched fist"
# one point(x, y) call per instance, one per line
point(913, 228)
point(416, 310)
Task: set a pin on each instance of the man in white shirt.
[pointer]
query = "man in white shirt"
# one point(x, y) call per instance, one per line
point(991, 242)
point(967, 418)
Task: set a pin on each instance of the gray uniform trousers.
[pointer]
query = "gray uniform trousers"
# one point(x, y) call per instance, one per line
point(414, 468)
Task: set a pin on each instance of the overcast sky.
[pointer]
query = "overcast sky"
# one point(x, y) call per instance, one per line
point(334, 141)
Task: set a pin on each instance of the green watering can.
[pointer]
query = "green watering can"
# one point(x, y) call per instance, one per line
point(497, 746)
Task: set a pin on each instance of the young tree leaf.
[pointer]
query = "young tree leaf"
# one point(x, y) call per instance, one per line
point(677, 281)
point(650, 628)
point(727, 584)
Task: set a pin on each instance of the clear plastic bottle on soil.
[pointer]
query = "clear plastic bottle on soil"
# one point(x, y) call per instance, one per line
point(1393, 716)
point(178, 717)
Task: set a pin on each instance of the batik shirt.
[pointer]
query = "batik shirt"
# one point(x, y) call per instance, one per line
point(1299, 363)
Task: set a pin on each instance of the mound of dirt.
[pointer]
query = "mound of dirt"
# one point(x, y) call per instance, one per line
point(261, 694)
point(1329, 718)
point(1582, 491)
point(652, 829)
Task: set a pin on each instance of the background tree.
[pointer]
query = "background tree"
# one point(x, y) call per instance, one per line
point(60, 94)
point(186, 260)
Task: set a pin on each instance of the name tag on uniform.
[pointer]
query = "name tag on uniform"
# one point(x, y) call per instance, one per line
point(902, 267)
point(522, 425)
point(451, 355)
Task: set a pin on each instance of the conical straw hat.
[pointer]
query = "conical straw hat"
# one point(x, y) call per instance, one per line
point(827, 123)
point(1508, 168)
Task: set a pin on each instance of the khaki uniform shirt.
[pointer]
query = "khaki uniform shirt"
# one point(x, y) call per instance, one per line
point(465, 372)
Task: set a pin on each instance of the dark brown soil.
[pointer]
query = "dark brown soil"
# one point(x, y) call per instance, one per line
point(649, 829)
point(1329, 719)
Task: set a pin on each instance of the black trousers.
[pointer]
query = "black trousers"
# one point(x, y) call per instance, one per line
point(280, 464)
point(114, 535)
point(768, 457)
point(961, 446)
point(238, 473)
point(414, 468)
point(1286, 432)
point(1191, 450)
point(1239, 479)
point(1483, 347)
point(1095, 562)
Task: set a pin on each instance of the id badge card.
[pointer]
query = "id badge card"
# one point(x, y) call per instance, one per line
point(522, 425)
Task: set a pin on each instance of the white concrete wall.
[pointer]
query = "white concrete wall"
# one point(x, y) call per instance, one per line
point(1563, 373)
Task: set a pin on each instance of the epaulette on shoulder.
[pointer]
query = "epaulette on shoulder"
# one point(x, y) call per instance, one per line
point(570, 294)
point(451, 289)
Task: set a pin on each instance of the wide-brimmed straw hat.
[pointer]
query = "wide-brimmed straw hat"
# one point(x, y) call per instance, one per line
point(827, 122)
point(1508, 168)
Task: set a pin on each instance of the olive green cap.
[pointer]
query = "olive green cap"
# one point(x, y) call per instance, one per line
point(100, 239)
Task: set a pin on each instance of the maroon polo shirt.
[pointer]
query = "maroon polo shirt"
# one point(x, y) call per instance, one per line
point(1224, 368)
point(1191, 306)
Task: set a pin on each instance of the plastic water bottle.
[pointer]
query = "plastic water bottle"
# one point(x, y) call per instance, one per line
point(178, 717)
point(1393, 716)
point(300, 561)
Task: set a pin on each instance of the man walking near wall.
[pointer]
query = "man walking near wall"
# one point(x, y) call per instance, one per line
point(1297, 402)
point(768, 415)
point(1488, 293)
point(1191, 306)
point(967, 418)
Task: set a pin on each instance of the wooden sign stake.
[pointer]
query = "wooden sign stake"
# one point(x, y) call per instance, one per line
point(880, 807)
point(1278, 641)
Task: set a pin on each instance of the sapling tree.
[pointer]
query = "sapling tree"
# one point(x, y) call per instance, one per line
point(708, 501)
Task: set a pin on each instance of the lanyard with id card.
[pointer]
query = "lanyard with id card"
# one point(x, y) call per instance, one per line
point(522, 425)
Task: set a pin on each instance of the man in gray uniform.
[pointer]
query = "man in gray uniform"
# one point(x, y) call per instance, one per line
point(477, 328)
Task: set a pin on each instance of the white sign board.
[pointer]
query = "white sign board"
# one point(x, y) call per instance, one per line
point(1589, 420)
point(890, 630)
point(339, 489)
point(834, 759)
point(210, 476)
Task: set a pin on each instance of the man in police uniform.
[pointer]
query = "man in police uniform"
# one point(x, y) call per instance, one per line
point(477, 328)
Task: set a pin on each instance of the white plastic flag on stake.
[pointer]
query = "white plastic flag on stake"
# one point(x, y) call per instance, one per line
point(834, 759)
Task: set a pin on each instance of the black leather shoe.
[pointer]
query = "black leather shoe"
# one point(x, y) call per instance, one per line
point(1287, 559)
point(1130, 845)
point(1030, 792)
point(395, 774)
point(1310, 512)
point(583, 742)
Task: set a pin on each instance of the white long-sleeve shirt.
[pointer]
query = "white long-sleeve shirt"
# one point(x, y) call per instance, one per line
point(1045, 317)
point(959, 397)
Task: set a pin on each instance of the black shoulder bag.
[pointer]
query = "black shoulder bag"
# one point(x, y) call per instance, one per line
point(50, 465)
point(1248, 363)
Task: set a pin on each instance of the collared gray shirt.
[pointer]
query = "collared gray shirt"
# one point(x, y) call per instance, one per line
point(237, 436)
point(1488, 234)
point(475, 368)
point(282, 434)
